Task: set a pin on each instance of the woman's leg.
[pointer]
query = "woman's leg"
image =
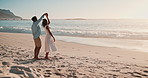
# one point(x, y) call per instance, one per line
point(46, 56)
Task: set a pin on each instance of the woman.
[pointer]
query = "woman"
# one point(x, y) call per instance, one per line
point(49, 38)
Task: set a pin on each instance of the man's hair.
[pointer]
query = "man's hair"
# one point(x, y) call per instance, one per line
point(34, 18)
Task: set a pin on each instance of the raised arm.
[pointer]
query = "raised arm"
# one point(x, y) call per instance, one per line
point(48, 19)
point(39, 20)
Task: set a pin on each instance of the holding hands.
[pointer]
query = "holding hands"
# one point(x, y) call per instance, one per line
point(46, 14)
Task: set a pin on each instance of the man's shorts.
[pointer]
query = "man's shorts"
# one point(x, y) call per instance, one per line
point(37, 42)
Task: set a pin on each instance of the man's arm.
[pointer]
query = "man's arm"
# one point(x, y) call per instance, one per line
point(39, 20)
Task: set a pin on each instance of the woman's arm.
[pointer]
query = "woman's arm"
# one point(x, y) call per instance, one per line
point(48, 19)
point(47, 27)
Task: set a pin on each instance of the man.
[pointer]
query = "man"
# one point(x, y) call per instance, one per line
point(36, 31)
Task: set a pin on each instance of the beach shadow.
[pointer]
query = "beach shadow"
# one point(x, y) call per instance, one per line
point(31, 61)
point(27, 61)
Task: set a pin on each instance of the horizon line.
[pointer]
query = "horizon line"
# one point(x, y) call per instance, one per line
point(95, 19)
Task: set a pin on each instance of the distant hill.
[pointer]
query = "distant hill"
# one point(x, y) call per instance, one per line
point(8, 15)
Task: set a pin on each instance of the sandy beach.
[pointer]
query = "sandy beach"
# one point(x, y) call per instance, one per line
point(72, 60)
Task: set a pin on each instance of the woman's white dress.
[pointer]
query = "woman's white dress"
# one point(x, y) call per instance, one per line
point(49, 43)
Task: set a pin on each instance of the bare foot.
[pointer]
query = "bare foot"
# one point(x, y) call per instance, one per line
point(48, 58)
point(36, 58)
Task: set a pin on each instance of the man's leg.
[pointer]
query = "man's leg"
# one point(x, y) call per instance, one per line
point(37, 47)
point(38, 50)
point(35, 50)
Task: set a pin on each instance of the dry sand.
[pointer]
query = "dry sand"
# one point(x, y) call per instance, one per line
point(72, 60)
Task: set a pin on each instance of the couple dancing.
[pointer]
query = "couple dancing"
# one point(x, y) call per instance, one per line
point(49, 38)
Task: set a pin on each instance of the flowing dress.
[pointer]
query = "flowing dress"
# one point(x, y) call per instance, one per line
point(49, 43)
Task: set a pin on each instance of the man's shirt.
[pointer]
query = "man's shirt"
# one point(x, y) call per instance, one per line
point(36, 30)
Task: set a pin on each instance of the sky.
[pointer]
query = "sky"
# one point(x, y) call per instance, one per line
point(89, 9)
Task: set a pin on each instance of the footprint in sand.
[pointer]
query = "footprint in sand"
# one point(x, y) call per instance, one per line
point(146, 71)
point(48, 70)
point(46, 75)
point(109, 54)
point(116, 70)
point(133, 58)
point(137, 74)
point(59, 69)
point(10, 51)
point(59, 74)
point(96, 53)
point(39, 70)
point(61, 57)
point(19, 48)
point(22, 50)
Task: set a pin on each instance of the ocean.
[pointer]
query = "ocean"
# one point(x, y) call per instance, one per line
point(120, 33)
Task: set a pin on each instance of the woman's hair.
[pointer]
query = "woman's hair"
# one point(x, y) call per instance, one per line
point(44, 23)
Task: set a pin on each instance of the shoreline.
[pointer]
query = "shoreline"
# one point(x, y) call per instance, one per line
point(86, 60)
point(129, 44)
